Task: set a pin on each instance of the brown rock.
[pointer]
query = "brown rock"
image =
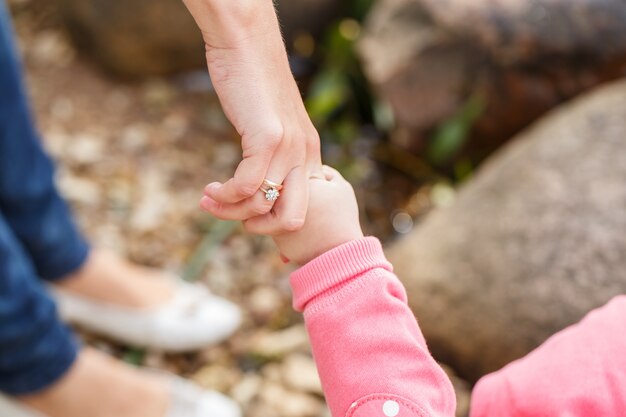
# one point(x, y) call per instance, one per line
point(287, 403)
point(427, 57)
point(280, 343)
point(79, 190)
point(300, 373)
point(533, 242)
point(246, 390)
point(265, 302)
point(217, 377)
point(311, 16)
point(135, 38)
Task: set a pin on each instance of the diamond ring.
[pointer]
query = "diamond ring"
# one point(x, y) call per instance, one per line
point(271, 190)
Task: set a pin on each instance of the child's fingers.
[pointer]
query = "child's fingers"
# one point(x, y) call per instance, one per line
point(331, 174)
point(328, 172)
point(317, 176)
point(315, 172)
point(325, 174)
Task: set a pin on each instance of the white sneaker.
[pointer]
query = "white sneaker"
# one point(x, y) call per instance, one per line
point(193, 319)
point(188, 400)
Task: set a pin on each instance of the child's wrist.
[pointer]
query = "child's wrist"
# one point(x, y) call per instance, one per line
point(336, 267)
point(328, 245)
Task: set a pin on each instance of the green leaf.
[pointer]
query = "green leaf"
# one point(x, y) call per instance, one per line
point(134, 356)
point(452, 135)
point(360, 8)
point(216, 235)
point(329, 92)
point(383, 116)
point(463, 170)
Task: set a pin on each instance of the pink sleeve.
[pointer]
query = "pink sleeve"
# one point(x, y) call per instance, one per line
point(370, 353)
point(579, 372)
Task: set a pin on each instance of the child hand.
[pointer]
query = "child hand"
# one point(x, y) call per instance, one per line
point(332, 220)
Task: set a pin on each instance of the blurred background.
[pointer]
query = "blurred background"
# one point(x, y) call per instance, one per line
point(460, 110)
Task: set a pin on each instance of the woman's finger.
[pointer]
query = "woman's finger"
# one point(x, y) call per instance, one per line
point(253, 206)
point(246, 181)
point(289, 212)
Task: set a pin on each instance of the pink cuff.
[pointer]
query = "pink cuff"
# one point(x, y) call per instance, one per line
point(337, 266)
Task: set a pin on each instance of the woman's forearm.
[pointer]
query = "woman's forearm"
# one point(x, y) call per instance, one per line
point(250, 71)
point(235, 23)
point(248, 63)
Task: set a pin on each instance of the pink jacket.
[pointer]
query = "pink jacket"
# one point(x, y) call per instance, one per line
point(373, 360)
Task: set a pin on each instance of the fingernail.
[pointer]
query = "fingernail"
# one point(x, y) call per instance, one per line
point(211, 187)
point(206, 203)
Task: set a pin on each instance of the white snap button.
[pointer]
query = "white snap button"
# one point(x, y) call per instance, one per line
point(391, 408)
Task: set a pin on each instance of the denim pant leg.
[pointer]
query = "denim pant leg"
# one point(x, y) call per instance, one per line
point(31, 205)
point(35, 347)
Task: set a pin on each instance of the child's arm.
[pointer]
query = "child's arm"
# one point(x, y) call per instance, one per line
point(370, 353)
point(580, 371)
point(371, 356)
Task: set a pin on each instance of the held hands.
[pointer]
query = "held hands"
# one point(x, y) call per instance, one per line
point(332, 219)
point(248, 64)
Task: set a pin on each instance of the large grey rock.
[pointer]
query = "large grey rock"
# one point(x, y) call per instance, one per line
point(426, 57)
point(150, 37)
point(533, 242)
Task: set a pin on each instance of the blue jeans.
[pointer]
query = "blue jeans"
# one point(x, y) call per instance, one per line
point(38, 241)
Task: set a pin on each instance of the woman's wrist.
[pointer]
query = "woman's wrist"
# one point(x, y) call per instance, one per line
point(236, 23)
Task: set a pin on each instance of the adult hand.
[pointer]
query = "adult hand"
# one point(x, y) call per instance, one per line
point(248, 65)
